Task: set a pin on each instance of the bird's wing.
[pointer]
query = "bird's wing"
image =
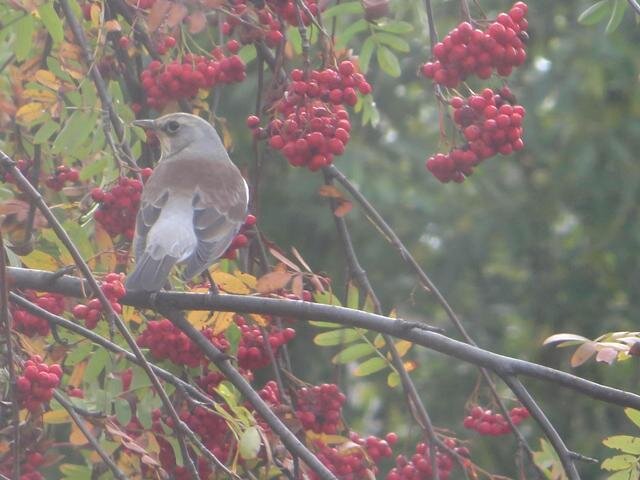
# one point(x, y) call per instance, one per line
point(147, 215)
point(218, 214)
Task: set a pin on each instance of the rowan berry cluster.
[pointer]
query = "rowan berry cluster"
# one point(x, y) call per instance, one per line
point(319, 408)
point(491, 123)
point(113, 289)
point(23, 165)
point(166, 341)
point(252, 352)
point(32, 325)
point(312, 124)
point(28, 466)
point(252, 23)
point(241, 240)
point(62, 175)
point(182, 79)
point(37, 383)
point(168, 461)
point(165, 44)
point(118, 207)
point(356, 463)
point(466, 51)
point(486, 422)
point(419, 466)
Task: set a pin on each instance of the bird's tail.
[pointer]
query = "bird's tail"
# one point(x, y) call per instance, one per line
point(150, 273)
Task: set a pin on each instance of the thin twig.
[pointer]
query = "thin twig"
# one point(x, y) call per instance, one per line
point(416, 406)
point(547, 427)
point(382, 226)
point(5, 320)
point(433, 34)
point(223, 363)
point(68, 406)
point(635, 5)
point(35, 177)
point(100, 84)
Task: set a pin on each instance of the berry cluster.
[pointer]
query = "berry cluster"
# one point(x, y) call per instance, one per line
point(466, 51)
point(32, 325)
point(37, 382)
point(62, 175)
point(166, 341)
point(312, 124)
point(491, 123)
point(113, 288)
point(23, 165)
point(118, 206)
point(252, 353)
point(182, 79)
point(486, 422)
point(419, 466)
point(168, 461)
point(28, 466)
point(241, 239)
point(165, 44)
point(355, 463)
point(319, 407)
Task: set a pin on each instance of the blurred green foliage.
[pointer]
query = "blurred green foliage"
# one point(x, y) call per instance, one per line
point(532, 244)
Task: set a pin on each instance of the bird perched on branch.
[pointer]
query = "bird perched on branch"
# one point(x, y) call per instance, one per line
point(192, 205)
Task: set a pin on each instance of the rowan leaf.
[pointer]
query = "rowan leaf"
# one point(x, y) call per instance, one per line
point(250, 443)
point(221, 321)
point(273, 281)
point(230, 283)
point(353, 352)
point(51, 21)
point(370, 366)
point(56, 417)
point(624, 443)
point(336, 337)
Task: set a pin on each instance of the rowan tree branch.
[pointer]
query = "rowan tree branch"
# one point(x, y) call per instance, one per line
point(68, 406)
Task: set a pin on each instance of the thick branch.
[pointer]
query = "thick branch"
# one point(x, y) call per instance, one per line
point(412, 331)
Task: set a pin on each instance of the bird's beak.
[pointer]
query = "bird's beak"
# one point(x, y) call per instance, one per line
point(147, 123)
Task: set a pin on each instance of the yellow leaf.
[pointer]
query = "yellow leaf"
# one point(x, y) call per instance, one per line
point(410, 365)
point(379, 342)
point(40, 95)
point(78, 374)
point(33, 346)
point(70, 51)
point(259, 319)
point(105, 248)
point(41, 261)
point(273, 281)
point(48, 79)
point(198, 319)
point(403, 346)
point(249, 280)
point(230, 283)
point(55, 417)
point(326, 438)
point(221, 321)
point(95, 14)
point(30, 112)
point(130, 314)
point(77, 438)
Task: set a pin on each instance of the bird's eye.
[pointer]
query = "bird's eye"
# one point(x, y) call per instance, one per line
point(172, 126)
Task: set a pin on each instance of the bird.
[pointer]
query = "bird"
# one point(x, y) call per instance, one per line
point(192, 205)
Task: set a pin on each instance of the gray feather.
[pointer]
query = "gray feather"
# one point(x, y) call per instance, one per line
point(150, 273)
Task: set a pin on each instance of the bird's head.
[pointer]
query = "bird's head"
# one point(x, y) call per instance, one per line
point(178, 132)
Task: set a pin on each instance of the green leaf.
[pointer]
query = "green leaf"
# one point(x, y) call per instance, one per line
point(93, 169)
point(123, 410)
point(233, 335)
point(617, 14)
point(625, 475)
point(76, 130)
point(353, 296)
point(75, 472)
point(44, 133)
point(348, 8)
point(396, 27)
point(348, 33)
point(318, 324)
point(393, 379)
point(52, 22)
point(364, 59)
point(397, 43)
point(293, 35)
point(595, 13)
point(624, 443)
point(326, 298)
point(336, 337)
point(79, 352)
point(248, 53)
point(176, 449)
point(634, 415)
point(250, 443)
point(24, 34)
point(143, 413)
point(388, 61)
point(372, 365)
point(96, 365)
point(353, 352)
point(619, 462)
